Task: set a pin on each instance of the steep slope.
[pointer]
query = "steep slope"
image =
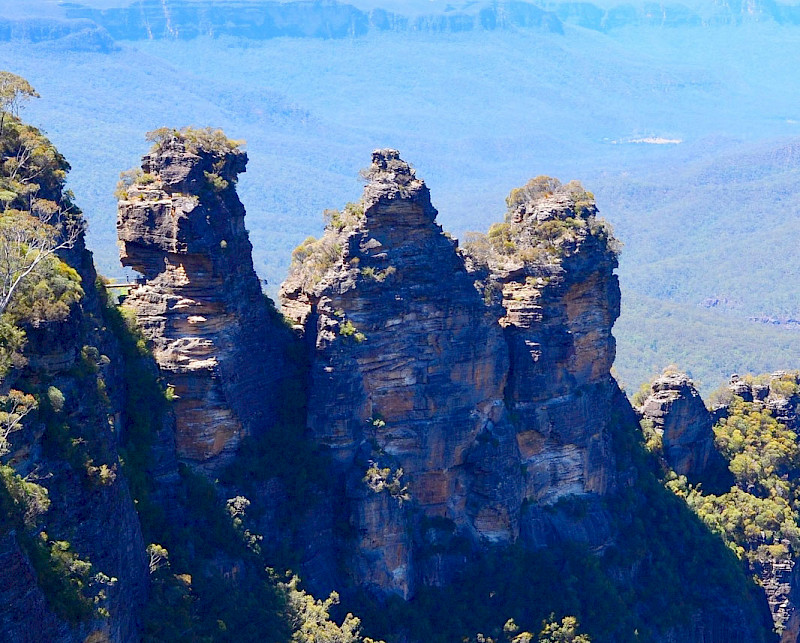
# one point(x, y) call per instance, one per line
point(74, 559)
point(550, 269)
point(466, 446)
point(755, 512)
point(407, 374)
point(181, 225)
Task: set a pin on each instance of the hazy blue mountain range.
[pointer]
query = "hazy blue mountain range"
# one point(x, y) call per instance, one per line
point(682, 118)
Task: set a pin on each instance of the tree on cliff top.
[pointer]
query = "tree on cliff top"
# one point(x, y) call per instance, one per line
point(208, 139)
point(37, 220)
point(14, 92)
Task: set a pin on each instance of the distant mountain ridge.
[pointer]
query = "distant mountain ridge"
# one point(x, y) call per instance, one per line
point(182, 19)
point(100, 22)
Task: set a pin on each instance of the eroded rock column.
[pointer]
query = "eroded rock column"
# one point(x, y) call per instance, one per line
point(200, 305)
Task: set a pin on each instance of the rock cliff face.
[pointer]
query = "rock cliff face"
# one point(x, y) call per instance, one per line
point(488, 387)
point(181, 225)
point(550, 267)
point(679, 415)
point(70, 447)
point(407, 375)
point(466, 396)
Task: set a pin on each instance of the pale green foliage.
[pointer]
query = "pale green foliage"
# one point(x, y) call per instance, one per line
point(786, 385)
point(565, 631)
point(237, 508)
point(12, 342)
point(46, 294)
point(215, 181)
point(92, 586)
point(535, 189)
point(642, 394)
point(553, 631)
point(30, 499)
point(15, 91)
point(722, 396)
point(348, 329)
point(313, 258)
point(13, 409)
point(207, 139)
point(758, 517)
point(338, 221)
point(158, 557)
point(654, 441)
point(127, 178)
point(56, 399)
point(380, 479)
point(378, 275)
point(33, 226)
point(542, 242)
point(310, 619)
point(761, 449)
point(102, 475)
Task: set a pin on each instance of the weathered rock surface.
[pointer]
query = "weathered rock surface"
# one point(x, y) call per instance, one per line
point(481, 376)
point(200, 303)
point(559, 298)
point(679, 415)
point(408, 373)
point(779, 393)
point(487, 383)
point(79, 360)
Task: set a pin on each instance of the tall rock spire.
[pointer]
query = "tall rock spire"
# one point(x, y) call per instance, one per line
point(181, 225)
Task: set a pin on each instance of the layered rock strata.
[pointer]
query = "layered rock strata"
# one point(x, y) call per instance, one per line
point(181, 225)
point(549, 268)
point(486, 385)
point(680, 417)
point(407, 376)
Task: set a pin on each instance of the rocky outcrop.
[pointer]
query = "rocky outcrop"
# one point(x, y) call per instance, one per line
point(550, 271)
point(486, 383)
point(779, 393)
point(680, 417)
point(181, 225)
point(465, 396)
point(407, 375)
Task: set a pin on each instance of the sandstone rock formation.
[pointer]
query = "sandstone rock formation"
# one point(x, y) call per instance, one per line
point(466, 396)
point(489, 388)
point(679, 415)
point(777, 392)
point(408, 373)
point(550, 267)
point(181, 225)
